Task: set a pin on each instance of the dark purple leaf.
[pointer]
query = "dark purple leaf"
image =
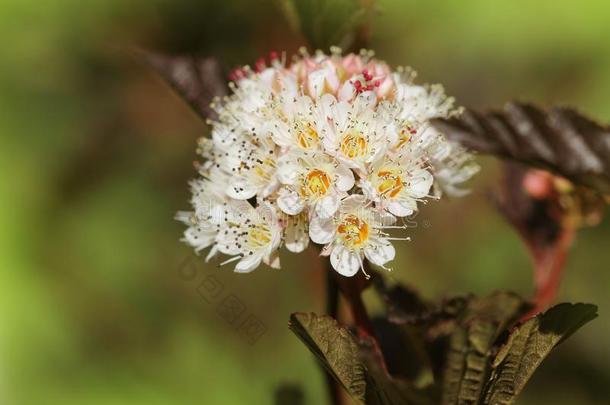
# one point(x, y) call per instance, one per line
point(560, 140)
point(356, 363)
point(196, 79)
point(527, 347)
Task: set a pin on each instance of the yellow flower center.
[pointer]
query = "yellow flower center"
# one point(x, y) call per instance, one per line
point(316, 183)
point(307, 137)
point(354, 145)
point(259, 236)
point(353, 230)
point(390, 183)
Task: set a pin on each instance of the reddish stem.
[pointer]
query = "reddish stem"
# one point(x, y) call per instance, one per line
point(332, 309)
point(351, 288)
point(548, 270)
point(549, 274)
point(361, 317)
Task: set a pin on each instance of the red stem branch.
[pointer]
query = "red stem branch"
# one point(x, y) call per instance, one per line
point(549, 270)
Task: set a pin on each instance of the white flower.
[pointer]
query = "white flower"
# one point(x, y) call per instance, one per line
point(355, 233)
point(422, 103)
point(450, 164)
point(198, 235)
point(250, 235)
point(298, 123)
point(397, 184)
point(209, 203)
point(314, 180)
point(357, 132)
point(252, 164)
point(327, 148)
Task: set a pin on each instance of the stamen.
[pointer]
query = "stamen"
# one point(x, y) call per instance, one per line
point(366, 275)
point(234, 258)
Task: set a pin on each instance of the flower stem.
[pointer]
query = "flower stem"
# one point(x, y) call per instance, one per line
point(361, 317)
point(549, 269)
point(351, 288)
point(332, 309)
point(332, 294)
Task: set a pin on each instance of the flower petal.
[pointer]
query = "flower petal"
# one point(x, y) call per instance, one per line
point(287, 172)
point(248, 263)
point(420, 183)
point(327, 206)
point(280, 133)
point(380, 253)
point(344, 261)
point(241, 190)
point(316, 83)
point(272, 260)
point(353, 203)
point(365, 100)
point(321, 230)
point(290, 202)
point(347, 91)
point(345, 178)
point(199, 236)
point(296, 238)
point(402, 207)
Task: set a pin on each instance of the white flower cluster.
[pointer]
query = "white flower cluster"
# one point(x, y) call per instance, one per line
point(330, 148)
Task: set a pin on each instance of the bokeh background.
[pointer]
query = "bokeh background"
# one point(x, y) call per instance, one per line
point(96, 306)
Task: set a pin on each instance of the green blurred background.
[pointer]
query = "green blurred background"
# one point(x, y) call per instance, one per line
point(95, 157)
